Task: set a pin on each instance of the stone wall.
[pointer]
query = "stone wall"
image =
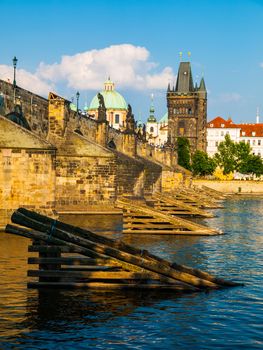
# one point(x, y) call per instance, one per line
point(85, 174)
point(152, 177)
point(235, 186)
point(130, 175)
point(27, 179)
point(34, 107)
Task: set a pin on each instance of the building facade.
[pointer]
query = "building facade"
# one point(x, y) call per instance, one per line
point(157, 131)
point(251, 133)
point(187, 109)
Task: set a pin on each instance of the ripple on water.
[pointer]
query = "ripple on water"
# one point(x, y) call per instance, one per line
point(228, 318)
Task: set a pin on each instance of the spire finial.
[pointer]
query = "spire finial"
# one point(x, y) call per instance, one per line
point(180, 55)
point(189, 54)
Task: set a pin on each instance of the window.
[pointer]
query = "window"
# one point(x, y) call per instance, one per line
point(254, 142)
point(259, 142)
point(222, 125)
point(211, 125)
point(259, 154)
point(253, 133)
point(151, 129)
point(222, 133)
point(117, 118)
point(181, 127)
point(189, 110)
point(243, 133)
point(248, 142)
point(216, 143)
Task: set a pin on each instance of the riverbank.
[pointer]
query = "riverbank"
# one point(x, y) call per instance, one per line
point(239, 187)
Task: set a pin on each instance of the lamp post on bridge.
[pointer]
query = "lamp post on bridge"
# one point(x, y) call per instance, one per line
point(14, 65)
point(14, 80)
point(78, 121)
point(77, 96)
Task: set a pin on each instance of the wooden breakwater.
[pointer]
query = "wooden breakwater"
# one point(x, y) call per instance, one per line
point(99, 262)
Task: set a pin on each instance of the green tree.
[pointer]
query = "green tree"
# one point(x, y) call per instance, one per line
point(202, 164)
point(252, 165)
point(226, 157)
point(183, 152)
point(242, 154)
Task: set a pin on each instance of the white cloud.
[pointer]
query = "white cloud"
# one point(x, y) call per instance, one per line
point(230, 97)
point(128, 66)
point(26, 80)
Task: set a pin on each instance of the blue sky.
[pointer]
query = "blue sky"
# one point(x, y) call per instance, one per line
point(69, 46)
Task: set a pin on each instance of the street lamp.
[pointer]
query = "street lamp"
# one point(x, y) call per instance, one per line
point(77, 96)
point(14, 65)
point(78, 120)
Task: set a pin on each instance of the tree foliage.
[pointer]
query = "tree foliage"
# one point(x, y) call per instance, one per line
point(202, 164)
point(226, 155)
point(253, 165)
point(233, 156)
point(183, 152)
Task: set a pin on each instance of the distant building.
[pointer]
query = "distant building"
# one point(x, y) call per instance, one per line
point(157, 131)
point(115, 104)
point(187, 109)
point(249, 133)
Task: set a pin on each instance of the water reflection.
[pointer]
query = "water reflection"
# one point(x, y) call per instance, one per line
point(81, 319)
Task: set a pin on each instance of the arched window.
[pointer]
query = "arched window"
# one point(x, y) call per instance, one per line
point(151, 129)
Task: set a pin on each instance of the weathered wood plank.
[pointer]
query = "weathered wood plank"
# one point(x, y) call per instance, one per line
point(67, 261)
point(100, 249)
point(127, 264)
point(91, 275)
point(167, 199)
point(51, 249)
point(167, 232)
point(106, 286)
point(185, 224)
point(141, 253)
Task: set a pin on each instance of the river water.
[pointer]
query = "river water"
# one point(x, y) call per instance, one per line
point(80, 319)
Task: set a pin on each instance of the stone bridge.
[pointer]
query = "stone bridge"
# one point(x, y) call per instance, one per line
point(68, 162)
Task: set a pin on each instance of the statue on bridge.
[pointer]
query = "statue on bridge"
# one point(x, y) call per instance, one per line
point(130, 121)
point(102, 117)
point(144, 132)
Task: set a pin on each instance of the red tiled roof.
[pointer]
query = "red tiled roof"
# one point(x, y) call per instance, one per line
point(248, 129)
point(218, 122)
point(251, 128)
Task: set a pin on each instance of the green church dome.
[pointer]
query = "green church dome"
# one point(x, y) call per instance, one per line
point(112, 99)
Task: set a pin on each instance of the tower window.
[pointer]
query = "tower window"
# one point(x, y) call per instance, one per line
point(151, 129)
point(189, 110)
point(117, 118)
point(181, 127)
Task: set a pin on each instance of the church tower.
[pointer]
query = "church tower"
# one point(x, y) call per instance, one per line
point(187, 109)
point(152, 125)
